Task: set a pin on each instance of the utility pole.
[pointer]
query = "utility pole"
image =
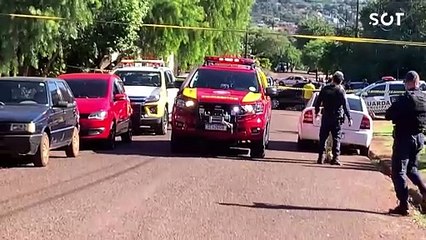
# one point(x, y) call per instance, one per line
point(357, 19)
point(246, 45)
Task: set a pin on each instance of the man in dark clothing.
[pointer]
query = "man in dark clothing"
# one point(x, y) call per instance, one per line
point(333, 99)
point(408, 114)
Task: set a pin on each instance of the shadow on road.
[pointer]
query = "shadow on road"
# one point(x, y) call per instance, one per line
point(355, 166)
point(283, 146)
point(301, 208)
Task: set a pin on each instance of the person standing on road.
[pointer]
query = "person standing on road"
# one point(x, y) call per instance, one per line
point(333, 99)
point(408, 114)
point(308, 91)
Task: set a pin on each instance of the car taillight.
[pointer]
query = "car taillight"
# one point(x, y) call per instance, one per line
point(308, 117)
point(365, 123)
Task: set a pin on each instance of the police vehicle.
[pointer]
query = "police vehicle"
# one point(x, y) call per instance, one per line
point(152, 90)
point(378, 96)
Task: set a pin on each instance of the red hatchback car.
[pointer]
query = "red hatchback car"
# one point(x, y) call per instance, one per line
point(104, 107)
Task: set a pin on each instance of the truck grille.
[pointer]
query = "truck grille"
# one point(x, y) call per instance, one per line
point(138, 110)
point(215, 113)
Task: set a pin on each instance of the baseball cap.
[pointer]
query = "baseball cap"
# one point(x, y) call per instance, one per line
point(411, 76)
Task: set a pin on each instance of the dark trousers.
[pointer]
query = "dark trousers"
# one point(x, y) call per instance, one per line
point(333, 126)
point(405, 159)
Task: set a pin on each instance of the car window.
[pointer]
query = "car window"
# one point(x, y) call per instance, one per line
point(222, 79)
point(88, 88)
point(377, 91)
point(66, 95)
point(54, 93)
point(354, 104)
point(140, 78)
point(23, 92)
point(396, 89)
point(169, 77)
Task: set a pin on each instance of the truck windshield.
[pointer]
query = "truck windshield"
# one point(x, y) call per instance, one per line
point(222, 79)
point(88, 88)
point(22, 92)
point(140, 78)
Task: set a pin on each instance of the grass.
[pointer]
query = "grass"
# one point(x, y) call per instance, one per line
point(383, 128)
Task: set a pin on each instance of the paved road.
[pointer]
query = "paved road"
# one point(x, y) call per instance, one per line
point(143, 192)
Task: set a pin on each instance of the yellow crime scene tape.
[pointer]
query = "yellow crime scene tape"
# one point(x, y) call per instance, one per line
point(327, 38)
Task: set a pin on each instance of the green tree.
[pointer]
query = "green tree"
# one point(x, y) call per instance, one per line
point(313, 26)
point(29, 44)
point(313, 52)
point(116, 29)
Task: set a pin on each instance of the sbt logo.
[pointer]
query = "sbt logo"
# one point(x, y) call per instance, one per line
point(386, 19)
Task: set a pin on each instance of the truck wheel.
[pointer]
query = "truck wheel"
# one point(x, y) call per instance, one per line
point(302, 144)
point(177, 144)
point(162, 128)
point(258, 149)
point(364, 151)
point(73, 149)
point(267, 136)
point(110, 142)
point(41, 158)
point(128, 136)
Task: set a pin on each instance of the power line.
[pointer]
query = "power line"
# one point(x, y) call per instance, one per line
point(245, 31)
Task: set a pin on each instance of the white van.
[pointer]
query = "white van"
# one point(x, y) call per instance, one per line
point(378, 96)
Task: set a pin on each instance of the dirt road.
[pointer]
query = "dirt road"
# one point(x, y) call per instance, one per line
point(143, 192)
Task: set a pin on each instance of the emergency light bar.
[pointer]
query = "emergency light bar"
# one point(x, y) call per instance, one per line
point(142, 63)
point(229, 60)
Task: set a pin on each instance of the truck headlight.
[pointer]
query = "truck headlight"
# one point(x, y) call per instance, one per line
point(253, 108)
point(101, 115)
point(23, 127)
point(184, 104)
point(153, 98)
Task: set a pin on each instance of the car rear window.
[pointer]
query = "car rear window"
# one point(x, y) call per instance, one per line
point(222, 79)
point(354, 104)
point(88, 88)
point(140, 78)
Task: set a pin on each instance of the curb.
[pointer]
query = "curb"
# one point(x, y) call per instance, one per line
point(385, 167)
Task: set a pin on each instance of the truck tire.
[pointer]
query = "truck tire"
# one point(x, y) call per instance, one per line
point(73, 149)
point(41, 158)
point(177, 144)
point(164, 124)
point(258, 148)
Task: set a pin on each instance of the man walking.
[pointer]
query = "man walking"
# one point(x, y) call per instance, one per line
point(333, 99)
point(308, 91)
point(408, 114)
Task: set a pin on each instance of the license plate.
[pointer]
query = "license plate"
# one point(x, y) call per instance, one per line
point(215, 127)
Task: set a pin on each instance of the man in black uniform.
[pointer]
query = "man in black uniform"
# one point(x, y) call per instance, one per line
point(408, 114)
point(333, 99)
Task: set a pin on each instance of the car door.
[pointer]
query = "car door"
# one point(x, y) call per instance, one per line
point(70, 112)
point(120, 108)
point(172, 90)
point(56, 120)
point(375, 98)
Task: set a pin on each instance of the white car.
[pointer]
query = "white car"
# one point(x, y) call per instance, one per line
point(378, 95)
point(359, 135)
point(292, 80)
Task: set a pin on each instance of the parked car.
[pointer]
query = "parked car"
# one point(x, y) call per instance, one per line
point(359, 135)
point(226, 100)
point(104, 107)
point(355, 86)
point(152, 92)
point(37, 115)
point(292, 80)
point(292, 97)
point(378, 96)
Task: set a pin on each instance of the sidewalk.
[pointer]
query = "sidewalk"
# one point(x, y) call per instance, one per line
point(381, 151)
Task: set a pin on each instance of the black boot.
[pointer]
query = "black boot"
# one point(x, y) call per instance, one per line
point(335, 161)
point(400, 210)
point(321, 159)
